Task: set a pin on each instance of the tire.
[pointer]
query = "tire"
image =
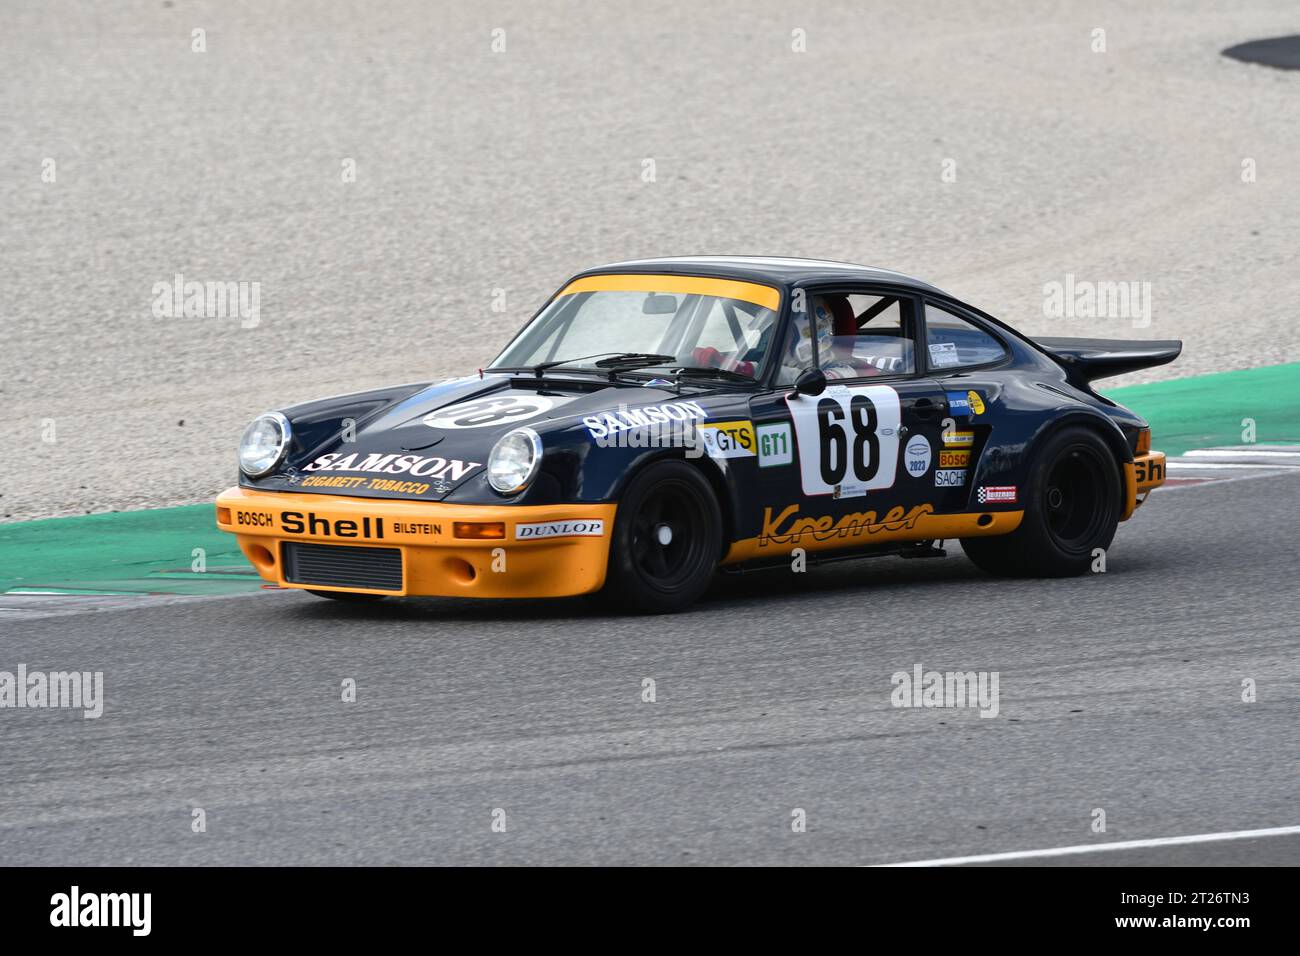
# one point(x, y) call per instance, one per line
point(648, 574)
point(1072, 507)
point(347, 597)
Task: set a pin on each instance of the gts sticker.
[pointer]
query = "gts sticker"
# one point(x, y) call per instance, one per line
point(729, 439)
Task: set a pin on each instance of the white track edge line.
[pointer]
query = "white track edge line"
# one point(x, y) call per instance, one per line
point(1103, 847)
point(1183, 464)
point(1242, 453)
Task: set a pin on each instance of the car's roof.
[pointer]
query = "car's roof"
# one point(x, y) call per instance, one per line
point(768, 269)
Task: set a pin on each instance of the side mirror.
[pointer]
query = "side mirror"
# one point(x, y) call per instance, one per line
point(811, 381)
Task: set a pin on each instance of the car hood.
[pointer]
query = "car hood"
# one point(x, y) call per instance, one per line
point(426, 443)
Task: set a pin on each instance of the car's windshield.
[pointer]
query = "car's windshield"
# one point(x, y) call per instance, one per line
point(668, 320)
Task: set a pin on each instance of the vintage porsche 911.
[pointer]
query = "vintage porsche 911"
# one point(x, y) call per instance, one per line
point(658, 420)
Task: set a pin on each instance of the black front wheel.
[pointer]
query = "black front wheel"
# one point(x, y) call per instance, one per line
point(667, 540)
point(1072, 507)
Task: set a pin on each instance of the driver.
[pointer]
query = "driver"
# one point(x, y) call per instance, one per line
point(836, 327)
point(836, 348)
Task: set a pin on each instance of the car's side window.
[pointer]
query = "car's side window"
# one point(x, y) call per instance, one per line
point(859, 335)
point(952, 342)
point(797, 350)
point(879, 341)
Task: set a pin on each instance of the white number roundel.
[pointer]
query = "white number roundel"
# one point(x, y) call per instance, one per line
point(847, 438)
point(495, 410)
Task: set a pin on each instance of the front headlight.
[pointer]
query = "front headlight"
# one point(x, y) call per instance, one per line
point(514, 460)
point(264, 444)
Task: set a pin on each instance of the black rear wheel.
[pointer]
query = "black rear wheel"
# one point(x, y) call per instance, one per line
point(1072, 506)
point(667, 540)
point(1075, 497)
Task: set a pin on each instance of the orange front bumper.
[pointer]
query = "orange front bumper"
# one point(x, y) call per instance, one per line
point(1142, 475)
point(448, 550)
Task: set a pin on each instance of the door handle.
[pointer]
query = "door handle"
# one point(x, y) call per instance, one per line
point(924, 408)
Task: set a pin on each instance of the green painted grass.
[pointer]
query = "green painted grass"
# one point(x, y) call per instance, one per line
point(1205, 410)
point(125, 552)
point(140, 552)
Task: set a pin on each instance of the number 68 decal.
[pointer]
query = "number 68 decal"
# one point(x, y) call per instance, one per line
point(848, 439)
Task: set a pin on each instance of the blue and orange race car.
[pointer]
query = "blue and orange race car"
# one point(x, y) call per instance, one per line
point(660, 419)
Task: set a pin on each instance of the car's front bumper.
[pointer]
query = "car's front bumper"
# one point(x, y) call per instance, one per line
point(566, 555)
point(1142, 475)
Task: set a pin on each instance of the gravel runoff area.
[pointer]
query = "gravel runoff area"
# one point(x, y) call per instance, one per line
point(992, 149)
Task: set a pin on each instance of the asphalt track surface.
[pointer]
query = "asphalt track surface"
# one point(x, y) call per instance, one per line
point(1119, 691)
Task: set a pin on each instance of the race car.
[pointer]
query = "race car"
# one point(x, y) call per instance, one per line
point(659, 420)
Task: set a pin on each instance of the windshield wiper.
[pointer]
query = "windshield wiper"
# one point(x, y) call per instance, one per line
point(614, 360)
point(632, 360)
point(635, 359)
point(720, 372)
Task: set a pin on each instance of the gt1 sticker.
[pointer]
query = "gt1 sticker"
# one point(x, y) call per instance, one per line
point(729, 439)
point(560, 529)
point(996, 494)
point(949, 478)
point(774, 445)
point(943, 354)
point(916, 456)
point(848, 439)
point(495, 410)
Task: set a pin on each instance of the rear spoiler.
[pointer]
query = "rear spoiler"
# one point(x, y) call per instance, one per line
point(1088, 359)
